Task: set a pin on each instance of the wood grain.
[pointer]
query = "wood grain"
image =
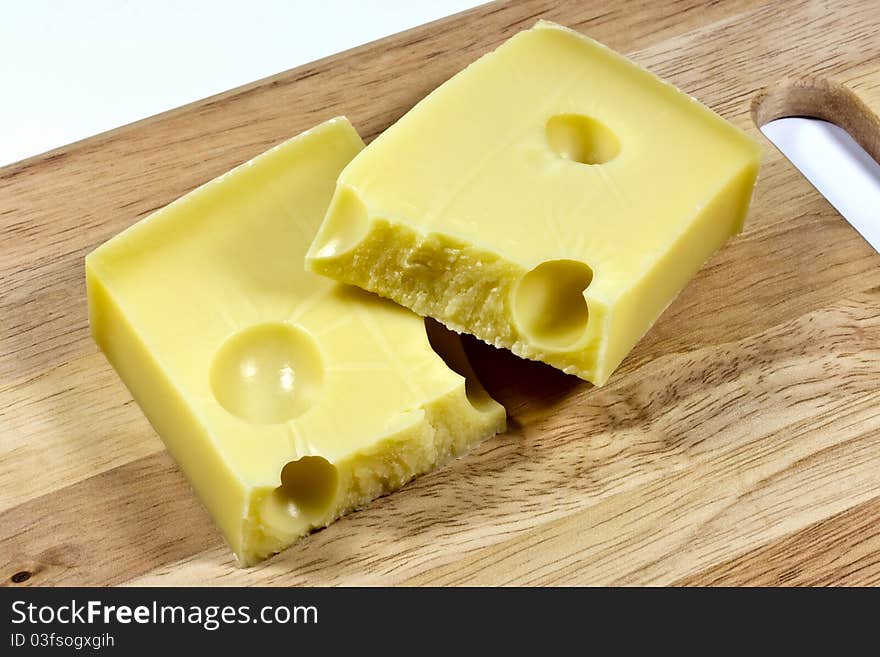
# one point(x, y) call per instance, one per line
point(738, 444)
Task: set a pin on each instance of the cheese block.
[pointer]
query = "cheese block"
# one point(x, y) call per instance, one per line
point(287, 399)
point(552, 198)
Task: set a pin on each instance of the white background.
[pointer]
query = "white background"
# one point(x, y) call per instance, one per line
point(69, 70)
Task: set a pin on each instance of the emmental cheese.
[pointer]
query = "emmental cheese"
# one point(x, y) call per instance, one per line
point(552, 198)
point(286, 398)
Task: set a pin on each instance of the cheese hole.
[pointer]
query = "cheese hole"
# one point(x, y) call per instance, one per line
point(346, 225)
point(549, 306)
point(310, 483)
point(447, 345)
point(582, 139)
point(268, 373)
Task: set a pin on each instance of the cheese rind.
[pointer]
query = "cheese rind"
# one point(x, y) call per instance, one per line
point(552, 198)
point(287, 399)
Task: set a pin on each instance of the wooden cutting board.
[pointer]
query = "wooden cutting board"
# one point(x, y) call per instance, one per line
point(739, 443)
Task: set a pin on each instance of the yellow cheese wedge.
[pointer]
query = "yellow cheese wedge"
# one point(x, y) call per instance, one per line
point(552, 198)
point(286, 398)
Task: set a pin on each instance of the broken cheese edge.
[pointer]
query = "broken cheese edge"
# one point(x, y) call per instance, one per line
point(553, 198)
point(286, 398)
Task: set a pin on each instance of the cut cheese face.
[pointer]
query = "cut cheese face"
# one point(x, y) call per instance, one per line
point(552, 198)
point(286, 398)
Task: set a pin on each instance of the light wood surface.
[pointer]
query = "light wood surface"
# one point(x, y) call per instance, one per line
point(739, 443)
